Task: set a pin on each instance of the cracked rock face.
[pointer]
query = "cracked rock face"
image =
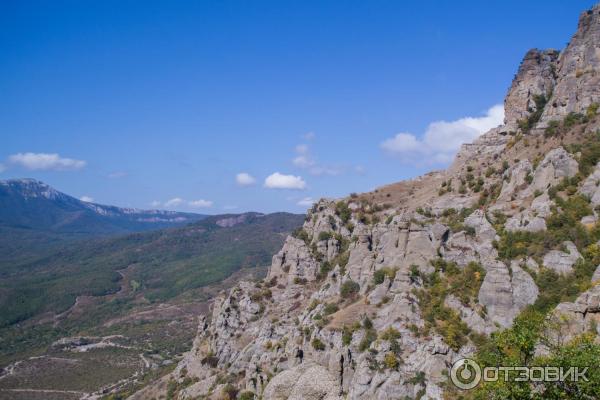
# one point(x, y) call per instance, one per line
point(596, 276)
point(562, 261)
point(303, 382)
point(573, 319)
point(555, 166)
point(577, 82)
point(591, 186)
point(536, 76)
point(525, 221)
point(505, 292)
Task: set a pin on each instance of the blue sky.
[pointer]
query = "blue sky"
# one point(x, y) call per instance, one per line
point(162, 104)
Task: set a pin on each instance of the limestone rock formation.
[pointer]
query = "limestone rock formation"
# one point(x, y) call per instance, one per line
point(536, 76)
point(562, 261)
point(353, 305)
point(505, 292)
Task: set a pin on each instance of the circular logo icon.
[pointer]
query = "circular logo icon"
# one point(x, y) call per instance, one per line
point(465, 374)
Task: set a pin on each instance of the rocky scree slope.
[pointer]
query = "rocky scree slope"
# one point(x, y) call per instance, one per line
point(378, 294)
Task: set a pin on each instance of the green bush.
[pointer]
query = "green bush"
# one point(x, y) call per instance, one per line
point(380, 274)
point(370, 337)
point(330, 308)
point(324, 235)
point(246, 395)
point(391, 361)
point(449, 279)
point(349, 289)
point(301, 234)
point(348, 332)
point(230, 392)
point(528, 123)
point(390, 334)
point(324, 269)
point(317, 344)
point(516, 347)
point(343, 211)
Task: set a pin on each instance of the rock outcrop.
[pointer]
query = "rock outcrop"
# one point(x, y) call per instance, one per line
point(505, 292)
point(352, 305)
point(536, 77)
point(562, 261)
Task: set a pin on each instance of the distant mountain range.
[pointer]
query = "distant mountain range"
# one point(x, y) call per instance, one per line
point(36, 218)
point(55, 249)
point(31, 204)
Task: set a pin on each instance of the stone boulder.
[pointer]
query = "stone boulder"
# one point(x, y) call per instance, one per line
point(525, 221)
point(561, 261)
point(591, 186)
point(572, 319)
point(470, 316)
point(517, 181)
point(596, 276)
point(557, 164)
point(506, 292)
point(303, 382)
point(542, 205)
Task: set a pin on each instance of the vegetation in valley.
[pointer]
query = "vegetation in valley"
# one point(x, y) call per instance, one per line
point(159, 266)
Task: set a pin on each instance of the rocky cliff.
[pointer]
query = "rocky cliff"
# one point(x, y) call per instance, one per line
point(379, 293)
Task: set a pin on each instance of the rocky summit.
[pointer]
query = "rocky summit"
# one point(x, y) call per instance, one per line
point(380, 293)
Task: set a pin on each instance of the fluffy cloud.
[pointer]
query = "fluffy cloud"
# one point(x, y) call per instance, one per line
point(306, 202)
point(305, 160)
point(45, 161)
point(245, 179)
point(281, 181)
point(178, 202)
point(308, 136)
point(174, 202)
point(201, 203)
point(442, 139)
point(117, 175)
point(87, 199)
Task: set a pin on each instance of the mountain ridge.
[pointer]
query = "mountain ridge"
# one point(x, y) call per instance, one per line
point(34, 204)
point(380, 293)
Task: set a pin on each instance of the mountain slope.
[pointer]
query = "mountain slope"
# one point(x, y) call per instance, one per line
point(163, 264)
point(379, 294)
point(31, 204)
point(36, 219)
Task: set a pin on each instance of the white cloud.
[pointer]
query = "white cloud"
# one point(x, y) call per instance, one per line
point(308, 136)
point(245, 179)
point(305, 160)
point(2, 168)
point(359, 169)
point(306, 202)
point(442, 139)
point(117, 175)
point(87, 199)
point(178, 202)
point(201, 203)
point(45, 161)
point(281, 181)
point(174, 202)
